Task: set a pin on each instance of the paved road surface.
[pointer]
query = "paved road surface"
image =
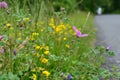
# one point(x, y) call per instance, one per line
point(108, 34)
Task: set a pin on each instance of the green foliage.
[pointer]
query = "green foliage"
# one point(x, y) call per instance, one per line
point(68, 5)
point(9, 76)
point(108, 6)
point(92, 5)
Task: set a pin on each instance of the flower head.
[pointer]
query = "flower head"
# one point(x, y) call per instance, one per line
point(44, 60)
point(46, 73)
point(78, 33)
point(46, 52)
point(1, 37)
point(3, 4)
point(27, 19)
point(14, 52)
point(108, 48)
point(2, 50)
point(69, 77)
point(34, 77)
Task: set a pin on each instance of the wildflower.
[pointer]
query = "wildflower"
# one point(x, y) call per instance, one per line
point(1, 37)
point(34, 77)
point(78, 33)
point(14, 52)
point(46, 73)
point(35, 34)
point(27, 19)
point(37, 47)
point(64, 38)
point(52, 23)
point(108, 48)
point(44, 60)
point(8, 24)
point(46, 52)
point(3, 4)
point(2, 50)
point(69, 77)
point(67, 46)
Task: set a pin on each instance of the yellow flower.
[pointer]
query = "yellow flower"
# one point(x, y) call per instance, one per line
point(44, 60)
point(46, 73)
point(67, 46)
point(64, 38)
point(34, 77)
point(27, 19)
point(58, 29)
point(35, 34)
point(46, 52)
point(52, 23)
point(37, 47)
point(8, 24)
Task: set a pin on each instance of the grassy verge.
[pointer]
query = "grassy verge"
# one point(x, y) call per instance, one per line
point(45, 47)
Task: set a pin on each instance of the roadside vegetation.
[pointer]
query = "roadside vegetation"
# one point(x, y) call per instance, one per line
point(39, 43)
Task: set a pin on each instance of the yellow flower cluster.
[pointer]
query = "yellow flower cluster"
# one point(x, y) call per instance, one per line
point(42, 47)
point(34, 34)
point(46, 73)
point(44, 60)
point(38, 48)
point(34, 77)
point(52, 23)
point(60, 28)
point(46, 52)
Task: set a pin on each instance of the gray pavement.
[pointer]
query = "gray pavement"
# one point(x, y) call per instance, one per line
point(108, 34)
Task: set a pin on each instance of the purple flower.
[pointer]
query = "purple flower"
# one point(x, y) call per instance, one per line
point(108, 47)
point(14, 52)
point(69, 77)
point(78, 33)
point(3, 4)
point(1, 37)
point(2, 50)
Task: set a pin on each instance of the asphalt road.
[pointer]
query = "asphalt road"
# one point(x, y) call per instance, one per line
point(108, 34)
